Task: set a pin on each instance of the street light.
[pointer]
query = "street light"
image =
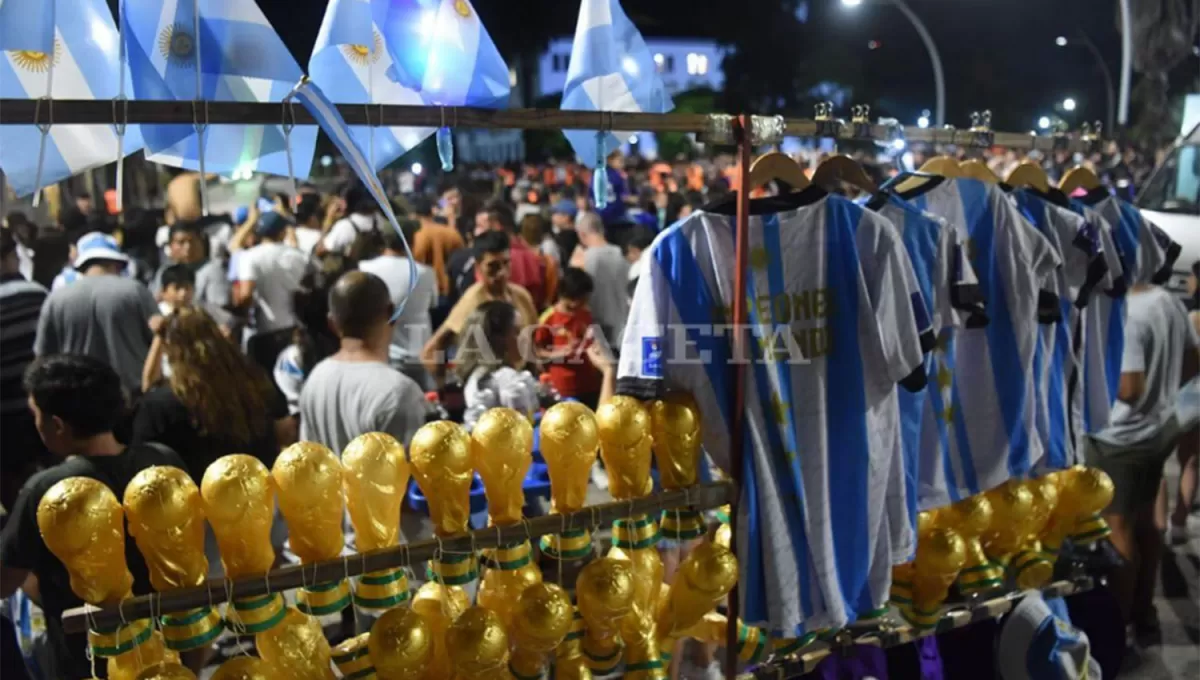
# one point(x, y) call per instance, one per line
point(1068, 104)
point(1081, 38)
point(1044, 122)
point(939, 82)
point(1061, 41)
point(923, 122)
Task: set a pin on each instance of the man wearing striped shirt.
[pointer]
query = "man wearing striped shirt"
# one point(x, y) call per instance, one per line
point(20, 305)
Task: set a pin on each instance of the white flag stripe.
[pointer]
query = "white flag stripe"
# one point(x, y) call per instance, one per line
point(374, 80)
point(243, 10)
point(81, 146)
point(610, 93)
point(593, 13)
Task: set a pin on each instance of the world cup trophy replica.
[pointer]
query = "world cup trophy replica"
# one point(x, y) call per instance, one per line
point(625, 446)
point(704, 578)
point(604, 591)
point(675, 423)
point(351, 657)
point(1083, 493)
point(243, 668)
point(440, 455)
point(1012, 509)
point(1029, 567)
point(542, 618)
point(480, 645)
point(83, 525)
point(296, 649)
point(502, 449)
point(920, 587)
point(166, 520)
point(439, 606)
point(971, 518)
point(401, 645)
point(376, 478)
point(569, 441)
point(309, 479)
point(239, 502)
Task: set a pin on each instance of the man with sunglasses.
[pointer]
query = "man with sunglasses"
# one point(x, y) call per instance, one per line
point(493, 265)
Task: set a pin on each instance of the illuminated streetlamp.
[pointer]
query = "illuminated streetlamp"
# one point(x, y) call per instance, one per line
point(939, 82)
point(1068, 104)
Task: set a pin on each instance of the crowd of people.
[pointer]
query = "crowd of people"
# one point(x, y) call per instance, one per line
point(178, 337)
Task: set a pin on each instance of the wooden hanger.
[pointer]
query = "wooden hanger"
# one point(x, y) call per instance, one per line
point(1029, 174)
point(843, 168)
point(777, 165)
point(938, 165)
point(1078, 177)
point(978, 170)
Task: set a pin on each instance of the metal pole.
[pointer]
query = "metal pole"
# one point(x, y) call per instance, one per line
point(1126, 62)
point(1110, 95)
point(939, 80)
point(738, 425)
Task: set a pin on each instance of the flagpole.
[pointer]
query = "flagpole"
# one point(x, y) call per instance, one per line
point(119, 124)
point(199, 96)
point(45, 127)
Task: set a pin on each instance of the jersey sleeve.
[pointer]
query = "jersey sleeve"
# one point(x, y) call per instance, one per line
point(1164, 253)
point(1114, 279)
point(1087, 241)
point(904, 325)
point(959, 300)
point(640, 370)
point(1036, 253)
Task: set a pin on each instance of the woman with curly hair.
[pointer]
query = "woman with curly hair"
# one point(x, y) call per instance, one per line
point(213, 400)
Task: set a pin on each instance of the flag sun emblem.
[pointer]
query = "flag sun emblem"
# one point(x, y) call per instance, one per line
point(362, 54)
point(33, 61)
point(177, 45)
point(463, 9)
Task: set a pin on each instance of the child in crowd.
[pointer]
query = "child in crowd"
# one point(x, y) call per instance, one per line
point(562, 336)
point(491, 365)
point(178, 287)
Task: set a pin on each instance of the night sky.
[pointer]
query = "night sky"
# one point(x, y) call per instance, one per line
point(997, 54)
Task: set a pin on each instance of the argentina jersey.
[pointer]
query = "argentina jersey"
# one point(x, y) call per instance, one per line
point(992, 417)
point(951, 291)
point(1058, 361)
point(1146, 255)
point(833, 314)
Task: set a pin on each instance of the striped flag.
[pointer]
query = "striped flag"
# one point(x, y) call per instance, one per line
point(443, 51)
point(611, 69)
point(239, 57)
point(64, 50)
point(352, 63)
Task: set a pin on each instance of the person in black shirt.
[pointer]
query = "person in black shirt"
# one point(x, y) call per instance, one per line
point(76, 400)
point(212, 401)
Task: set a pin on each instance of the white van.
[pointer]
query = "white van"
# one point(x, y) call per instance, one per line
point(1171, 199)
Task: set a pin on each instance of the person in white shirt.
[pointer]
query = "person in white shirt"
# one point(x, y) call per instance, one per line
point(267, 276)
point(412, 328)
point(308, 222)
point(363, 218)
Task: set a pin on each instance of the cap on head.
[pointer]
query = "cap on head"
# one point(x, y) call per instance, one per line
point(96, 246)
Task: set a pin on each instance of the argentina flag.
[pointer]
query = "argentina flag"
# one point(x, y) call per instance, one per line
point(234, 56)
point(611, 69)
point(352, 64)
point(441, 50)
point(65, 50)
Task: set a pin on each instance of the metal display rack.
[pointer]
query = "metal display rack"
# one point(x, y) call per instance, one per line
point(955, 617)
point(745, 132)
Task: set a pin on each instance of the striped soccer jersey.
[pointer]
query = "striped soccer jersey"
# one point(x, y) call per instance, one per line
point(1146, 255)
point(993, 433)
point(948, 284)
point(1058, 362)
point(835, 318)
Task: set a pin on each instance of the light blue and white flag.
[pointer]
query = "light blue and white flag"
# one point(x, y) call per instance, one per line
point(64, 50)
point(442, 50)
point(352, 64)
point(611, 69)
point(326, 114)
point(240, 58)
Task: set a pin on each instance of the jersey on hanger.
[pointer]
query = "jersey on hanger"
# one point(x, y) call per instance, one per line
point(836, 324)
point(1058, 361)
point(950, 288)
point(1147, 255)
point(992, 415)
